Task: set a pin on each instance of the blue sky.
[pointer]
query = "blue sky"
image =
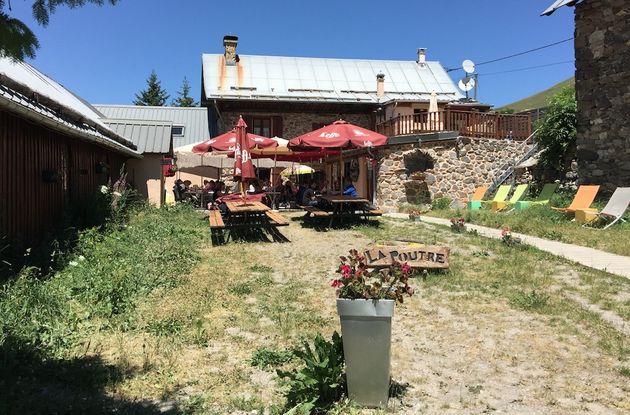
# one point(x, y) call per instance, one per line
point(104, 54)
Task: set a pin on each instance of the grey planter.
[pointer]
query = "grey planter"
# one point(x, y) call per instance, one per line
point(366, 327)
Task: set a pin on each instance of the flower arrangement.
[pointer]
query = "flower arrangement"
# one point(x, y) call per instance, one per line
point(414, 214)
point(507, 238)
point(357, 281)
point(458, 225)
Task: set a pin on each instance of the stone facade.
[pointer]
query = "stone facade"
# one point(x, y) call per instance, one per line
point(294, 124)
point(602, 41)
point(456, 168)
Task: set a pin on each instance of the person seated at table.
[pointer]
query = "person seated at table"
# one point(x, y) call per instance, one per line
point(219, 191)
point(299, 195)
point(334, 189)
point(178, 190)
point(266, 186)
point(349, 189)
point(208, 186)
point(308, 197)
point(323, 187)
point(254, 187)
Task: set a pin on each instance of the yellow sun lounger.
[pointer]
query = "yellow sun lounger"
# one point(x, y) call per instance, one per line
point(518, 194)
point(500, 196)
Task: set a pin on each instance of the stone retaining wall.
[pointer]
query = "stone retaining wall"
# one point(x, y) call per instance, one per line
point(459, 166)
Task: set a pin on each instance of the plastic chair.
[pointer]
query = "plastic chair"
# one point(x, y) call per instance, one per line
point(582, 200)
point(518, 194)
point(543, 198)
point(500, 196)
point(614, 209)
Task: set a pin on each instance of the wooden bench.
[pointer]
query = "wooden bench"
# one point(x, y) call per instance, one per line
point(277, 218)
point(315, 212)
point(216, 221)
point(374, 212)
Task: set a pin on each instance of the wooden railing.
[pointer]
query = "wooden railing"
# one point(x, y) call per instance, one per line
point(467, 123)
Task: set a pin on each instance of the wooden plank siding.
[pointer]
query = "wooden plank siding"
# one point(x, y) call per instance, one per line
point(30, 206)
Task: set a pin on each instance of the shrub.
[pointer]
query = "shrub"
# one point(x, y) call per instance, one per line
point(442, 203)
point(320, 382)
point(558, 129)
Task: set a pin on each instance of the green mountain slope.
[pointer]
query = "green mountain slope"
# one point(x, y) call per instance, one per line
point(540, 99)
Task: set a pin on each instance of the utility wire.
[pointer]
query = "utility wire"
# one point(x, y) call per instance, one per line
point(516, 54)
point(527, 68)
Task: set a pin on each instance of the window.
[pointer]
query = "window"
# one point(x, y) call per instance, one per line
point(177, 130)
point(266, 126)
point(262, 126)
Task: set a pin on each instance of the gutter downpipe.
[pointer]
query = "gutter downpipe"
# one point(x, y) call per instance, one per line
point(56, 126)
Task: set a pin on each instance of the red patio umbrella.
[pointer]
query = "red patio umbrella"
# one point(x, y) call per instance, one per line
point(243, 166)
point(340, 135)
point(227, 142)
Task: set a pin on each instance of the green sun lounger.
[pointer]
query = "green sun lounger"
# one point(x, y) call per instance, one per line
point(500, 196)
point(543, 198)
point(518, 194)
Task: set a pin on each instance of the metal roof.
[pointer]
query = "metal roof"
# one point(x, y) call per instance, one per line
point(323, 80)
point(557, 4)
point(149, 136)
point(25, 90)
point(194, 119)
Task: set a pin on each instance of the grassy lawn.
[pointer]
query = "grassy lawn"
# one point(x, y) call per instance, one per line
point(546, 223)
point(156, 319)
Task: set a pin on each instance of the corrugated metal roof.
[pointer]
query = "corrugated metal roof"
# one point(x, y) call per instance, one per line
point(149, 136)
point(557, 4)
point(194, 119)
point(41, 86)
point(321, 80)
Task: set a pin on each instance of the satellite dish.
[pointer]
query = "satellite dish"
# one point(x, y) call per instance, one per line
point(466, 84)
point(468, 66)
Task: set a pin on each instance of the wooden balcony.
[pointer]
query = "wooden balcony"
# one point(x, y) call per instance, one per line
point(467, 123)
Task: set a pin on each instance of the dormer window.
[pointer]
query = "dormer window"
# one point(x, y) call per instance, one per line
point(177, 130)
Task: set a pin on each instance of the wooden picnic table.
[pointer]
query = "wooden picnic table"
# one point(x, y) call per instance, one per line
point(343, 206)
point(247, 216)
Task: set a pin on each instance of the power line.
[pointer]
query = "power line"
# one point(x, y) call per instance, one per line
point(517, 54)
point(527, 68)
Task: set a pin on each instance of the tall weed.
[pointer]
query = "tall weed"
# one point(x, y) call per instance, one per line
point(105, 276)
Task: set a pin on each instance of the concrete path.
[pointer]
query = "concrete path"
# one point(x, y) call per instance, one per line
point(593, 258)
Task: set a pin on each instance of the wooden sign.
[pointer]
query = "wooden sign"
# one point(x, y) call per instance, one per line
point(415, 255)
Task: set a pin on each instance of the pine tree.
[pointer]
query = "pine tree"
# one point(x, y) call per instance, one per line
point(184, 100)
point(154, 95)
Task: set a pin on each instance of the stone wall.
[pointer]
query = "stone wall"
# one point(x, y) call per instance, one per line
point(294, 124)
point(602, 41)
point(459, 166)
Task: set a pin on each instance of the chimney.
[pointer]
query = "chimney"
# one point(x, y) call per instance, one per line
point(230, 42)
point(422, 54)
point(380, 85)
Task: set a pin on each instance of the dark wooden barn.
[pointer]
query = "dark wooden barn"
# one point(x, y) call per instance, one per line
point(54, 152)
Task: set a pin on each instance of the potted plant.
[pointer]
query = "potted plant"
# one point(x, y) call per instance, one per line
point(365, 304)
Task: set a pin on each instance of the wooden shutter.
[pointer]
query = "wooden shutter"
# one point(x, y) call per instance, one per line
point(276, 126)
